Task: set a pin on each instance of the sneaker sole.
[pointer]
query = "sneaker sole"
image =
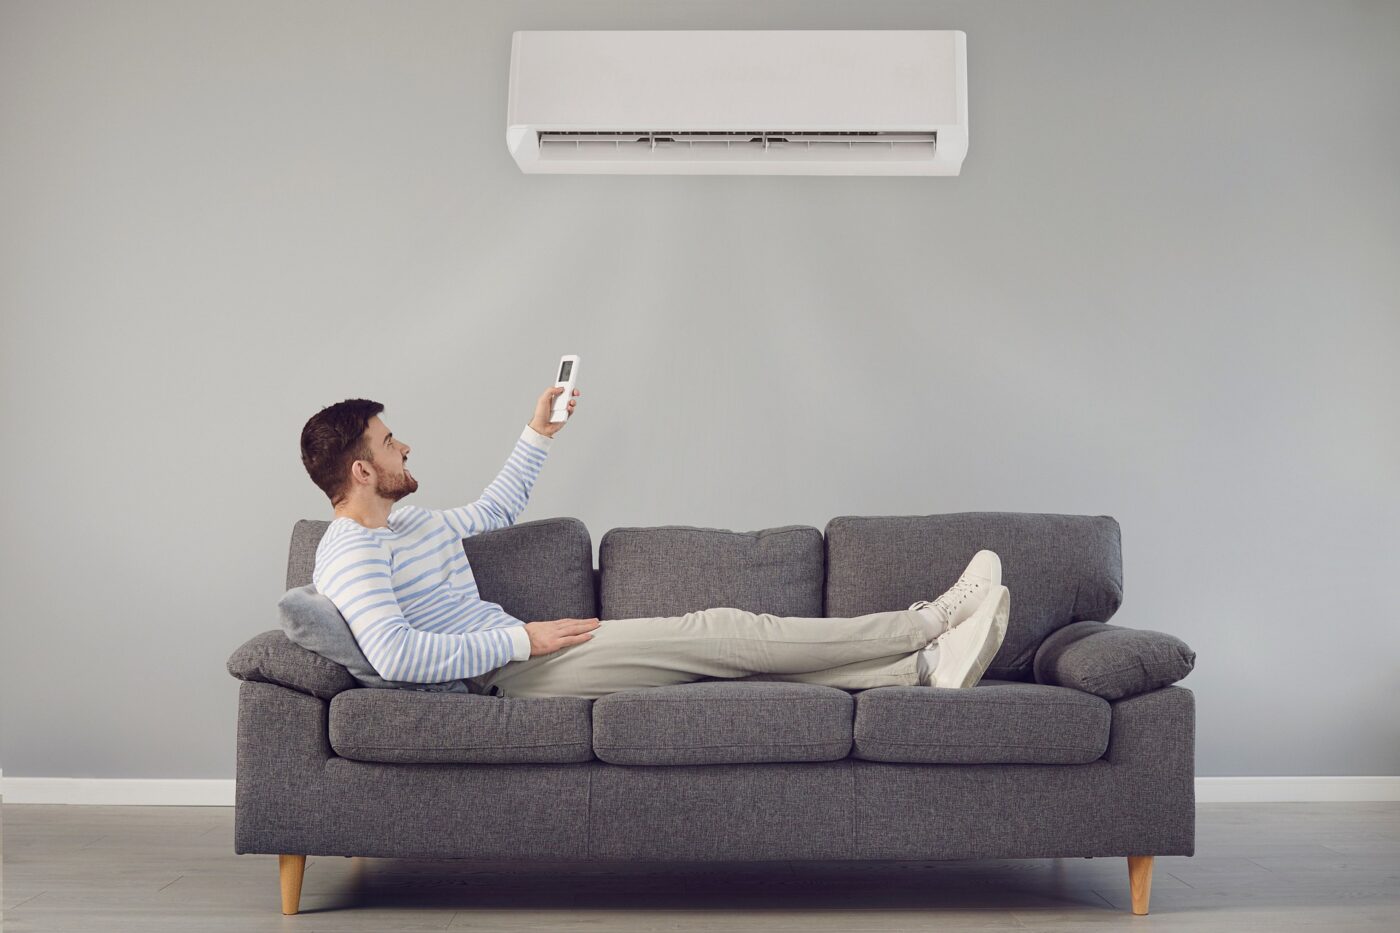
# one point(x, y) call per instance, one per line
point(992, 617)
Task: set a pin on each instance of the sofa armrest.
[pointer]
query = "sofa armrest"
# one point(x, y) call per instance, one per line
point(273, 658)
point(1111, 661)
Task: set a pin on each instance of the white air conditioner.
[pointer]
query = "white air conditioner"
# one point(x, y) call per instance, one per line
point(742, 102)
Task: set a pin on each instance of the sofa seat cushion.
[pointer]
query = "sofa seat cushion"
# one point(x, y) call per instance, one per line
point(399, 726)
point(995, 722)
point(721, 722)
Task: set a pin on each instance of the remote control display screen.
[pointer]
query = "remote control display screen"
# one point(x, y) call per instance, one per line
point(564, 371)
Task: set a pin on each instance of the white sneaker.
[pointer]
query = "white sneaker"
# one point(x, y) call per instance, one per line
point(962, 655)
point(962, 599)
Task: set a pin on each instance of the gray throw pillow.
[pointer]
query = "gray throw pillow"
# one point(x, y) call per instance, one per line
point(1112, 661)
point(312, 621)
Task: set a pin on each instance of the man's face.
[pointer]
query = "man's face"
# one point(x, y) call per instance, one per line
point(392, 479)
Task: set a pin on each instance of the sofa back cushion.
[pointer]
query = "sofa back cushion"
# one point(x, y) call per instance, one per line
point(1059, 569)
point(536, 570)
point(670, 570)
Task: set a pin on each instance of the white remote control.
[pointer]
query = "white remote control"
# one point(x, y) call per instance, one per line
point(568, 378)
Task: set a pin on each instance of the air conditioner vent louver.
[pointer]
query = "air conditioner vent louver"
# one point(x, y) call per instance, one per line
point(696, 145)
point(844, 136)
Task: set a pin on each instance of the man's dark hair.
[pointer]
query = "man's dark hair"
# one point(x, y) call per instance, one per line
point(333, 439)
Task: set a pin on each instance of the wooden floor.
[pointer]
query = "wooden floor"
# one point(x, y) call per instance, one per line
point(1258, 867)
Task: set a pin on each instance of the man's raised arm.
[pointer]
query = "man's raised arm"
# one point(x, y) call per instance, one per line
point(504, 499)
point(354, 574)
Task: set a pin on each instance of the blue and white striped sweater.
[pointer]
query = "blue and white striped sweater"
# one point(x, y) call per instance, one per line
point(408, 591)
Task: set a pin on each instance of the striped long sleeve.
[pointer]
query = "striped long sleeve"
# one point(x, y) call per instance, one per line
point(504, 499)
point(407, 590)
point(358, 579)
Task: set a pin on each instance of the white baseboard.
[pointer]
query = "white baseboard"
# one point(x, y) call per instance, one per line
point(219, 793)
point(135, 792)
point(1322, 789)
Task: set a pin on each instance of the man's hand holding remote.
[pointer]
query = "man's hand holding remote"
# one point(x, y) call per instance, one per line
point(541, 422)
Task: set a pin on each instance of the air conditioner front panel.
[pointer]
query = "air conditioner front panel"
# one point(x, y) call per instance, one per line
point(761, 83)
point(726, 79)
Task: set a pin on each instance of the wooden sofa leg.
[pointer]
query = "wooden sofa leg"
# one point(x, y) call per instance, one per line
point(291, 867)
point(1140, 881)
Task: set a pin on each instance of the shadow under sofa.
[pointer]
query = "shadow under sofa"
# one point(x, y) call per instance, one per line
point(1076, 743)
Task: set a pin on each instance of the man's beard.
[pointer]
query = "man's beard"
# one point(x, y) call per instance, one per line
point(395, 488)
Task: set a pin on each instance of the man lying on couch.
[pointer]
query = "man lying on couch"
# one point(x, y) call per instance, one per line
point(402, 582)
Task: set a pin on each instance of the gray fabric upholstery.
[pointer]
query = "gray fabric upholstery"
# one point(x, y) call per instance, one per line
point(1059, 569)
point(301, 555)
point(271, 658)
point(537, 571)
point(397, 726)
point(1139, 799)
point(670, 570)
point(297, 794)
point(719, 721)
point(996, 722)
point(1112, 661)
point(506, 563)
point(313, 622)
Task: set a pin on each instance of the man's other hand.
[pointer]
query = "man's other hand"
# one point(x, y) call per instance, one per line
point(549, 637)
point(541, 422)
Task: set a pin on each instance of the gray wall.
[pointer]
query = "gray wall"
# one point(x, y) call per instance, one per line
point(1164, 289)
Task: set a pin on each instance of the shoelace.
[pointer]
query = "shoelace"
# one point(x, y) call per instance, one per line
point(950, 600)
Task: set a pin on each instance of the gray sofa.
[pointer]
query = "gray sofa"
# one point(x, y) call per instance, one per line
point(1075, 743)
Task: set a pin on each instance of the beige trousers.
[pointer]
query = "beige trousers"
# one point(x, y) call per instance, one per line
point(876, 650)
